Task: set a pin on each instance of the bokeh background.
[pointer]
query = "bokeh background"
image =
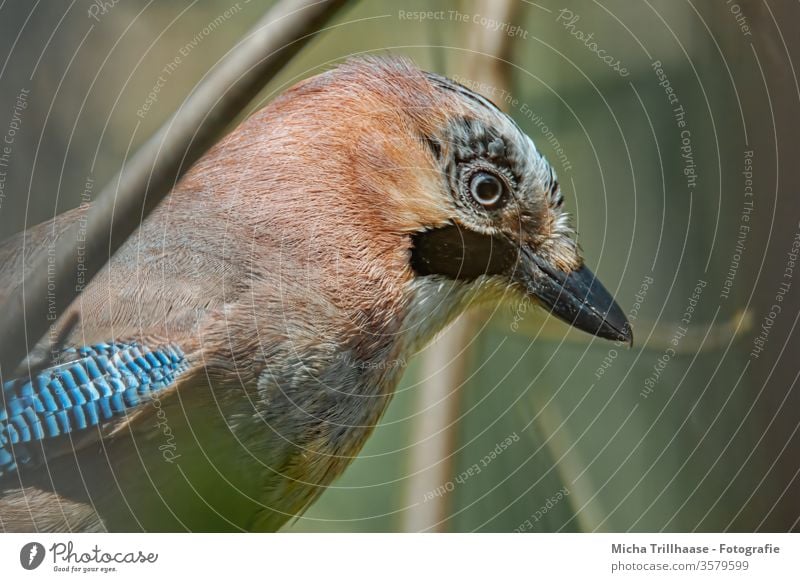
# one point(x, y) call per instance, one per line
point(511, 421)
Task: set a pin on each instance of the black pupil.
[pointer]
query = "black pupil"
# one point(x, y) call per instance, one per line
point(487, 188)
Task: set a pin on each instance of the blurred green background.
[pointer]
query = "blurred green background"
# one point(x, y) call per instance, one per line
point(583, 444)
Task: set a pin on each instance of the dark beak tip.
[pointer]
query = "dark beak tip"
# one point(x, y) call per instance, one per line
point(615, 325)
point(630, 336)
point(610, 330)
point(625, 334)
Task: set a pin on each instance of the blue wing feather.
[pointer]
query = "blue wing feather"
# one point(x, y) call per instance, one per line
point(98, 383)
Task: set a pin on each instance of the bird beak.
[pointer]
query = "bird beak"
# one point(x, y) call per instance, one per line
point(576, 297)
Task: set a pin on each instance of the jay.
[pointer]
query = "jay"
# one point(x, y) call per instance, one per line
point(229, 361)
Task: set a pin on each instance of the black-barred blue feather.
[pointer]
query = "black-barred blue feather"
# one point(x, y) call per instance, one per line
point(96, 384)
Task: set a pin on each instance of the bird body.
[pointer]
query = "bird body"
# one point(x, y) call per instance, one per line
point(233, 353)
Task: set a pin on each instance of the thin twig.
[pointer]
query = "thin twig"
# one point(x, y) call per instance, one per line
point(148, 177)
point(445, 364)
point(701, 337)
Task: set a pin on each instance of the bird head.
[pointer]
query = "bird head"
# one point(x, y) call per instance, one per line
point(394, 190)
point(507, 226)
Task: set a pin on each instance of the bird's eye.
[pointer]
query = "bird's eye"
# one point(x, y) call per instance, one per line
point(487, 189)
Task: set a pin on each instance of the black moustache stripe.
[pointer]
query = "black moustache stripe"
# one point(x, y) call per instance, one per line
point(458, 253)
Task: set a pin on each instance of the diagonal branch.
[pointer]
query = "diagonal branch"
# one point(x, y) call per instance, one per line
point(148, 177)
